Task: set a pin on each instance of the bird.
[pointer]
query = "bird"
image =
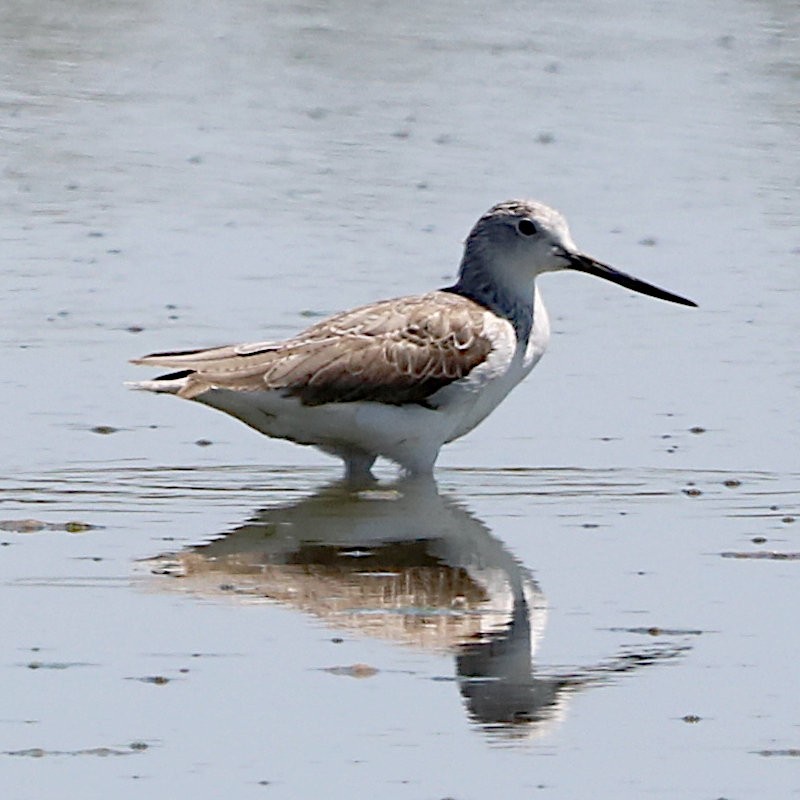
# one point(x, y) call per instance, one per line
point(400, 378)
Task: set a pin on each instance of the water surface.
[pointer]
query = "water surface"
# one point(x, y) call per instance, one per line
point(599, 596)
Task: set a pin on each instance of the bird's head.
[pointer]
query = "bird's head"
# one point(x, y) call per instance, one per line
point(520, 239)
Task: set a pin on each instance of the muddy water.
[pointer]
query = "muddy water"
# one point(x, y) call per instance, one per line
point(598, 598)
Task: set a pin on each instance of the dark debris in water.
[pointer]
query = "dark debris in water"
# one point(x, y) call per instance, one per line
point(36, 525)
point(57, 664)
point(353, 671)
point(156, 680)
point(761, 555)
point(103, 752)
point(791, 752)
point(104, 430)
point(654, 630)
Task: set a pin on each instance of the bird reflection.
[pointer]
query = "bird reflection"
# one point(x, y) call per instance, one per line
point(405, 563)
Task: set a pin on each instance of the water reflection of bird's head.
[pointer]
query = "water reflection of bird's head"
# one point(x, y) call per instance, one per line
point(498, 684)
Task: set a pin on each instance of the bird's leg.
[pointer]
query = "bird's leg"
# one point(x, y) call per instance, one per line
point(358, 467)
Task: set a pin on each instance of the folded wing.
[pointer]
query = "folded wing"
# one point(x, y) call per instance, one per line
point(397, 352)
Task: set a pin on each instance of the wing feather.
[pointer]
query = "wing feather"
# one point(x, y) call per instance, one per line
point(397, 352)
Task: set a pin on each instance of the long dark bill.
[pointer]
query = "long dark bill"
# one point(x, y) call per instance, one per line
point(584, 263)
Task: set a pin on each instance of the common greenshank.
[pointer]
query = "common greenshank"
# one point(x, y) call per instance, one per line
point(400, 378)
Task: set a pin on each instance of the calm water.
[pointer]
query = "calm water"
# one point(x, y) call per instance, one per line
point(599, 597)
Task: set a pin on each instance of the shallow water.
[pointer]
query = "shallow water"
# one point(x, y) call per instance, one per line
point(599, 598)
point(531, 628)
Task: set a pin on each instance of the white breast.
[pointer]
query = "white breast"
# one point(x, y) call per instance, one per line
point(469, 401)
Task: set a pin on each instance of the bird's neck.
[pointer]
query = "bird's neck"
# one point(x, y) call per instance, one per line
point(497, 286)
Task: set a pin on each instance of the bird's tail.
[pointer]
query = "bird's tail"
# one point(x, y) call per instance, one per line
point(165, 384)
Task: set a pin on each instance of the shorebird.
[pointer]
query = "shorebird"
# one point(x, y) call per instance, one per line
point(401, 378)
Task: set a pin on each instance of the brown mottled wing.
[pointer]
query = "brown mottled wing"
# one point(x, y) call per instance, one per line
point(398, 351)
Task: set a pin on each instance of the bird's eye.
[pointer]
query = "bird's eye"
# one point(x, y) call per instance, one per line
point(526, 227)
